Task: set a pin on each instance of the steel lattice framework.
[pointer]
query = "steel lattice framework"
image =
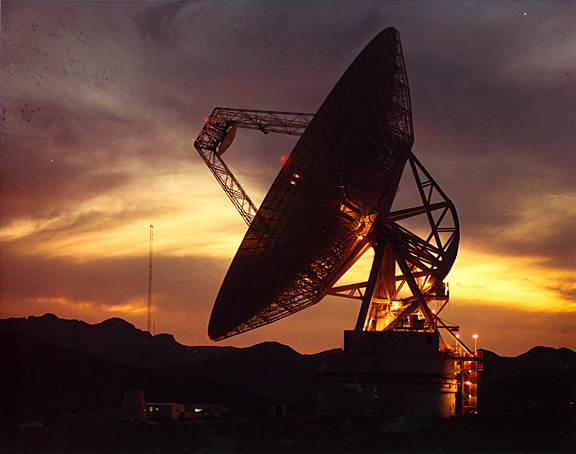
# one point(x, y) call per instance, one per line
point(317, 218)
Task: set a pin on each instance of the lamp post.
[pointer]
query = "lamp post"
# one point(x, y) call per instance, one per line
point(475, 336)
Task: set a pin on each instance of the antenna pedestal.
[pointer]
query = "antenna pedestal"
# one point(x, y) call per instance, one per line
point(389, 377)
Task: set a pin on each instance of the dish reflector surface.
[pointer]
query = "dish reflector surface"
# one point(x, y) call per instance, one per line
point(312, 224)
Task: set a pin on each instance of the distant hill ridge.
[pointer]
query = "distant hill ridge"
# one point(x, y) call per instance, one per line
point(541, 377)
point(114, 339)
point(41, 381)
point(115, 355)
point(120, 341)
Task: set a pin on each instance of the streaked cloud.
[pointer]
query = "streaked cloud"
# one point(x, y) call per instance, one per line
point(516, 281)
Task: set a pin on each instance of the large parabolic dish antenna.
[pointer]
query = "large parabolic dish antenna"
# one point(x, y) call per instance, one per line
point(332, 201)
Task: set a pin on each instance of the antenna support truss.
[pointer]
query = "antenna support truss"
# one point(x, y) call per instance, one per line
point(218, 132)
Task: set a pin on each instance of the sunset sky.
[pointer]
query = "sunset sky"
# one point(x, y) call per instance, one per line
point(102, 101)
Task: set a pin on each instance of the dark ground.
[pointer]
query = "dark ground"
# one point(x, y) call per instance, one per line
point(473, 434)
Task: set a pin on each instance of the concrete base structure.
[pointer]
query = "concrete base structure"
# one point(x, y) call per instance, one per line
point(386, 374)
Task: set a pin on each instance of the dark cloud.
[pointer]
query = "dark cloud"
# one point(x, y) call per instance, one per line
point(566, 287)
point(44, 174)
point(158, 24)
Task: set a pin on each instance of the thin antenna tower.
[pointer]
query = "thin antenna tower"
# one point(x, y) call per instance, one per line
point(150, 280)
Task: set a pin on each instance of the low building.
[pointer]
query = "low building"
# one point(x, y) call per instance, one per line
point(199, 411)
point(164, 411)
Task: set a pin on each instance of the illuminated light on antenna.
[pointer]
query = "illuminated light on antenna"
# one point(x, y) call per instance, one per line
point(283, 158)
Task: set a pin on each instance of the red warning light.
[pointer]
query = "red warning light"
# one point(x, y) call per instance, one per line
point(283, 158)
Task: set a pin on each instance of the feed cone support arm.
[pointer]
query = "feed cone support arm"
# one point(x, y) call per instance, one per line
point(218, 133)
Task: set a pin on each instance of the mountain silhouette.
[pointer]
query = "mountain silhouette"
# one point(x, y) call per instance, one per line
point(542, 379)
point(41, 381)
point(91, 365)
point(52, 368)
point(114, 339)
point(108, 357)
